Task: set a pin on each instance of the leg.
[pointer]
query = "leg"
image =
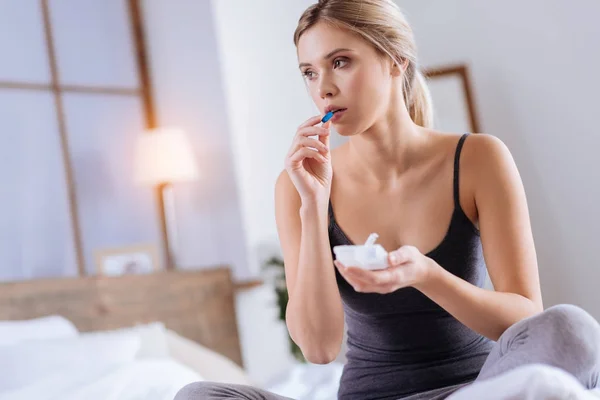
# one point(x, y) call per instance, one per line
point(221, 391)
point(563, 336)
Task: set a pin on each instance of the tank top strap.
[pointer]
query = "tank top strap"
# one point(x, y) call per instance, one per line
point(457, 169)
point(331, 216)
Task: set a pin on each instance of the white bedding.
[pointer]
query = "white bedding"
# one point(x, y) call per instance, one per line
point(154, 366)
point(529, 382)
point(148, 379)
point(308, 382)
point(149, 362)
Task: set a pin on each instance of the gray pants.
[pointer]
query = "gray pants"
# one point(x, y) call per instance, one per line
point(563, 336)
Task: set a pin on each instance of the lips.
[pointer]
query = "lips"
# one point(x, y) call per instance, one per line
point(333, 108)
point(339, 114)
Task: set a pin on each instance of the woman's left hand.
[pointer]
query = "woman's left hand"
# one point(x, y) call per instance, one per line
point(407, 267)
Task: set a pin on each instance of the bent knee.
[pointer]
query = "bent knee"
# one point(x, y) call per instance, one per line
point(571, 318)
point(574, 330)
point(198, 390)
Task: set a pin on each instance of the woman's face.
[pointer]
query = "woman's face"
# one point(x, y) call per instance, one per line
point(342, 70)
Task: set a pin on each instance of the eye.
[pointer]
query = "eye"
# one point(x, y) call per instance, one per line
point(340, 62)
point(308, 74)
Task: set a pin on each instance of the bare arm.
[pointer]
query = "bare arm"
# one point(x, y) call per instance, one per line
point(507, 244)
point(314, 315)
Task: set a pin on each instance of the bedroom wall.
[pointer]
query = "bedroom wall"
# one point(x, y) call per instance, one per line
point(189, 93)
point(95, 47)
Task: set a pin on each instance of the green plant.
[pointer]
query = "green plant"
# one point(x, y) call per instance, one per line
point(276, 264)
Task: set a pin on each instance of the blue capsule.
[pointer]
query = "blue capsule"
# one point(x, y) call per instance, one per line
point(327, 117)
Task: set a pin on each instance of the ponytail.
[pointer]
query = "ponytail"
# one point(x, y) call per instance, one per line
point(418, 100)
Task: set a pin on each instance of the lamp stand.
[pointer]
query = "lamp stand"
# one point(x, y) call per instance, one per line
point(168, 223)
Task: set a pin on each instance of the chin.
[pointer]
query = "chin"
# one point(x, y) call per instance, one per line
point(346, 130)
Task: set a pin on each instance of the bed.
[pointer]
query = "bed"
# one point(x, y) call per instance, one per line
point(121, 338)
point(146, 336)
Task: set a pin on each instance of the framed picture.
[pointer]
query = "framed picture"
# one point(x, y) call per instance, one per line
point(142, 259)
point(452, 96)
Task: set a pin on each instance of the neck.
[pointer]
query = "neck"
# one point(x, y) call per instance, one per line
point(388, 149)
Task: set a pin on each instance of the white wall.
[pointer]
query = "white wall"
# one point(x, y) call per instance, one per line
point(535, 73)
point(188, 93)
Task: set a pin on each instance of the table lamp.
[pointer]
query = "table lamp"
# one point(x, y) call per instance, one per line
point(164, 156)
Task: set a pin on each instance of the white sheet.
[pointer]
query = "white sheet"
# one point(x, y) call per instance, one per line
point(529, 382)
point(148, 379)
point(309, 382)
point(30, 361)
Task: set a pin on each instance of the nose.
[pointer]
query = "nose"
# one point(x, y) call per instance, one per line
point(327, 88)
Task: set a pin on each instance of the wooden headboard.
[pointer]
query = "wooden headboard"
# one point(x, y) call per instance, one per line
point(199, 305)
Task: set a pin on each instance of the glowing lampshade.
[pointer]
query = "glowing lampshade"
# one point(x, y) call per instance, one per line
point(164, 155)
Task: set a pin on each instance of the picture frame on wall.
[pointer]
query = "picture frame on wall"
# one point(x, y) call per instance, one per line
point(452, 96)
point(140, 259)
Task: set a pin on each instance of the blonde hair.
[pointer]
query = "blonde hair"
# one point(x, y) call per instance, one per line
point(381, 23)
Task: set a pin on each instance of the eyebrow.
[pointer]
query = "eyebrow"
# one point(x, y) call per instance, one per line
point(328, 56)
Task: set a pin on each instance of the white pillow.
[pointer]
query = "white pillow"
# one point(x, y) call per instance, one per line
point(209, 364)
point(153, 339)
point(50, 327)
point(27, 362)
point(308, 381)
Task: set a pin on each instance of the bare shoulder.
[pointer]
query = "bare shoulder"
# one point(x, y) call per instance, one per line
point(489, 166)
point(484, 145)
point(484, 164)
point(477, 147)
point(483, 154)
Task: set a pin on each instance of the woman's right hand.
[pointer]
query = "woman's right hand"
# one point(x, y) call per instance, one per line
point(310, 170)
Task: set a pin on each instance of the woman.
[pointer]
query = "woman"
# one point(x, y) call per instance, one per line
point(445, 205)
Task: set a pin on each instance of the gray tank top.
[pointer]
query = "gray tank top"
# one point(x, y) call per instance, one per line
point(403, 343)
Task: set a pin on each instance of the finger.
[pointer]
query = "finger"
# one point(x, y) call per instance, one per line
point(383, 286)
point(371, 277)
point(342, 270)
point(312, 143)
point(400, 256)
point(325, 138)
point(311, 121)
point(340, 267)
point(359, 278)
point(399, 276)
point(313, 131)
point(356, 283)
point(303, 153)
